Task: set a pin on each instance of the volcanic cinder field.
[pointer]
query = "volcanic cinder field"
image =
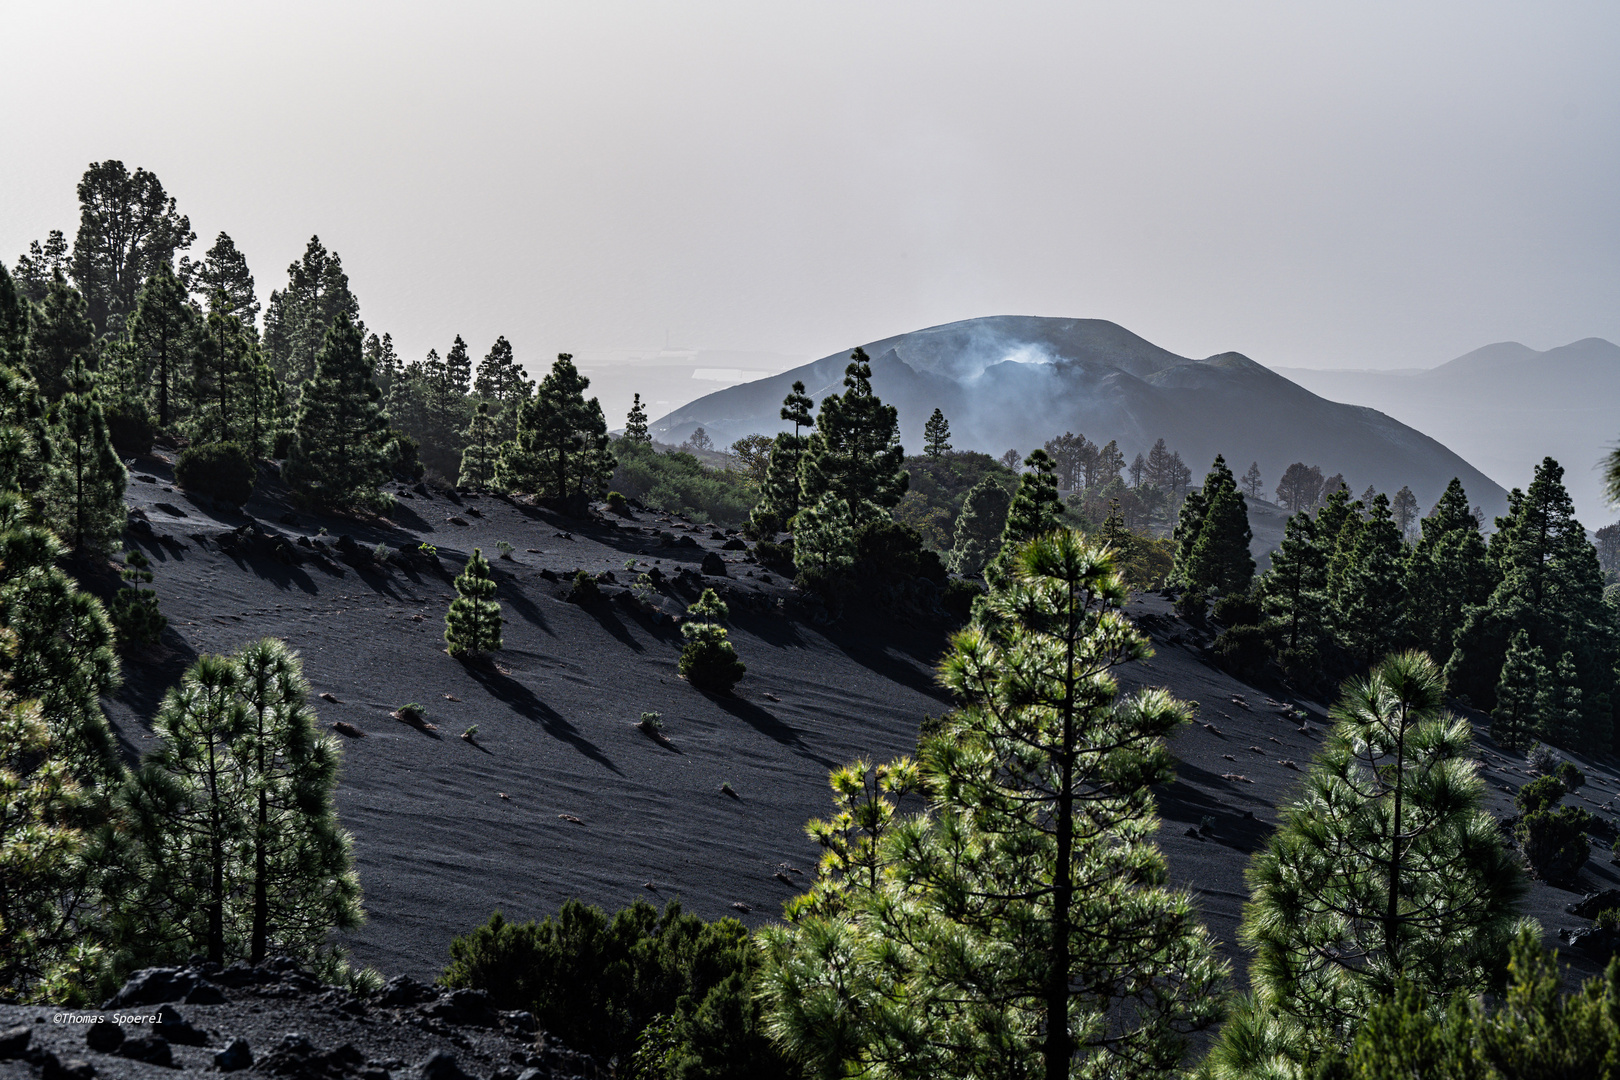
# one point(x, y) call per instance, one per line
point(559, 795)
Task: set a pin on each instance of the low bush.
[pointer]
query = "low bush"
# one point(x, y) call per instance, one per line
point(1570, 774)
point(678, 483)
point(618, 504)
point(1542, 793)
point(1237, 609)
point(129, 426)
point(1542, 760)
point(1554, 842)
point(221, 470)
point(1243, 649)
point(597, 983)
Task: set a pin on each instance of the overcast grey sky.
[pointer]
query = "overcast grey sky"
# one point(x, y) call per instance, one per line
point(1357, 184)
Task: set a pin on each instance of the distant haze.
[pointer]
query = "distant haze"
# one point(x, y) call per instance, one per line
point(1353, 185)
point(1504, 407)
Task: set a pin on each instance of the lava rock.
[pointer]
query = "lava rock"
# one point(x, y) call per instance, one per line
point(14, 1042)
point(464, 1008)
point(152, 1049)
point(735, 543)
point(441, 1066)
point(172, 1025)
point(171, 509)
point(104, 1038)
point(204, 993)
point(153, 986)
point(53, 1068)
point(713, 565)
point(236, 1055)
point(1592, 905)
point(403, 990)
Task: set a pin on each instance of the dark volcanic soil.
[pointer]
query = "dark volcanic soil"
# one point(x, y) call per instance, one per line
point(561, 796)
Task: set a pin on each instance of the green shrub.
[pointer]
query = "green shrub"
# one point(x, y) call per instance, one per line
point(1192, 605)
point(219, 470)
point(281, 443)
point(1237, 609)
point(1542, 793)
point(129, 426)
point(403, 461)
point(778, 557)
point(598, 983)
point(1609, 919)
point(1243, 650)
point(134, 611)
point(617, 504)
point(709, 662)
point(1570, 774)
point(1554, 842)
point(1542, 760)
point(585, 591)
point(678, 483)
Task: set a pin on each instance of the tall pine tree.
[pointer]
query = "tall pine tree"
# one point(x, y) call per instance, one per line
point(339, 447)
point(779, 495)
point(472, 626)
point(635, 423)
point(85, 491)
point(1369, 603)
point(937, 435)
point(1035, 510)
point(978, 527)
point(128, 225)
point(1293, 593)
point(478, 460)
point(561, 444)
point(1516, 722)
point(165, 336)
point(1446, 574)
point(298, 318)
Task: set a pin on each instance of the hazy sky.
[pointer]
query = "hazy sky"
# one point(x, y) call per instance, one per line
point(1311, 184)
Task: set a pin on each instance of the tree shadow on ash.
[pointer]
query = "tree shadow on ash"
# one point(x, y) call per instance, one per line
point(511, 593)
point(877, 658)
point(603, 614)
point(769, 726)
point(506, 689)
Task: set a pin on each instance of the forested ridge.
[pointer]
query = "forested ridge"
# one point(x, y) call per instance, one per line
point(994, 905)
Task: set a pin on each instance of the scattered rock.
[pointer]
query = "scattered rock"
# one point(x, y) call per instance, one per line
point(173, 1026)
point(1592, 905)
point(153, 986)
point(14, 1042)
point(140, 526)
point(742, 907)
point(454, 520)
point(726, 789)
point(783, 878)
point(1287, 764)
point(402, 990)
point(451, 697)
point(571, 818)
point(441, 1066)
point(145, 479)
point(236, 1055)
point(327, 696)
point(475, 512)
point(713, 564)
point(53, 1068)
point(289, 519)
point(152, 1049)
point(104, 1038)
point(171, 509)
point(768, 696)
point(463, 1008)
point(343, 727)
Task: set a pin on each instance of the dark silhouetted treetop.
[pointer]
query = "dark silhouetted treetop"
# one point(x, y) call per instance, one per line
point(1219, 565)
point(1293, 593)
point(127, 225)
point(339, 447)
point(1300, 487)
point(13, 322)
point(936, 435)
point(978, 527)
point(479, 458)
point(85, 491)
point(635, 422)
point(224, 282)
point(1252, 485)
point(698, 441)
point(298, 317)
point(796, 408)
point(1071, 455)
point(37, 267)
point(561, 448)
point(1446, 574)
point(1220, 560)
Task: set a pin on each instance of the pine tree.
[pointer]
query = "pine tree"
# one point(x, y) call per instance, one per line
point(1070, 453)
point(472, 626)
point(979, 526)
point(936, 435)
point(503, 383)
point(552, 432)
point(1022, 926)
point(384, 361)
point(1035, 510)
point(1252, 485)
point(128, 225)
point(779, 495)
point(1369, 604)
point(1446, 574)
point(1385, 871)
point(708, 660)
point(1516, 722)
point(339, 454)
point(849, 473)
point(299, 868)
point(61, 340)
point(236, 850)
point(478, 460)
point(224, 281)
point(1300, 487)
point(225, 374)
point(85, 491)
point(1404, 508)
point(1220, 560)
point(165, 334)
point(134, 610)
point(42, 264)
point(299, 317)
point(1551, 585)
point(1558, 705)
point(635, 423)
point(1294, 592)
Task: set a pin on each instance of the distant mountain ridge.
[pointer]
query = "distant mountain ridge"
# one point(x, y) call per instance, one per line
point(1504, 407)
point(1016, 381)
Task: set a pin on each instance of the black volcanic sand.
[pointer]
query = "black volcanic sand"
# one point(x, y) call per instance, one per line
point(447, 831)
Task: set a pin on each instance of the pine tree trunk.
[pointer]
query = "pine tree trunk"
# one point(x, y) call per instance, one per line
point(1058, 1051)
point(1391, 925)
point(261, 887)
point(216, 852)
